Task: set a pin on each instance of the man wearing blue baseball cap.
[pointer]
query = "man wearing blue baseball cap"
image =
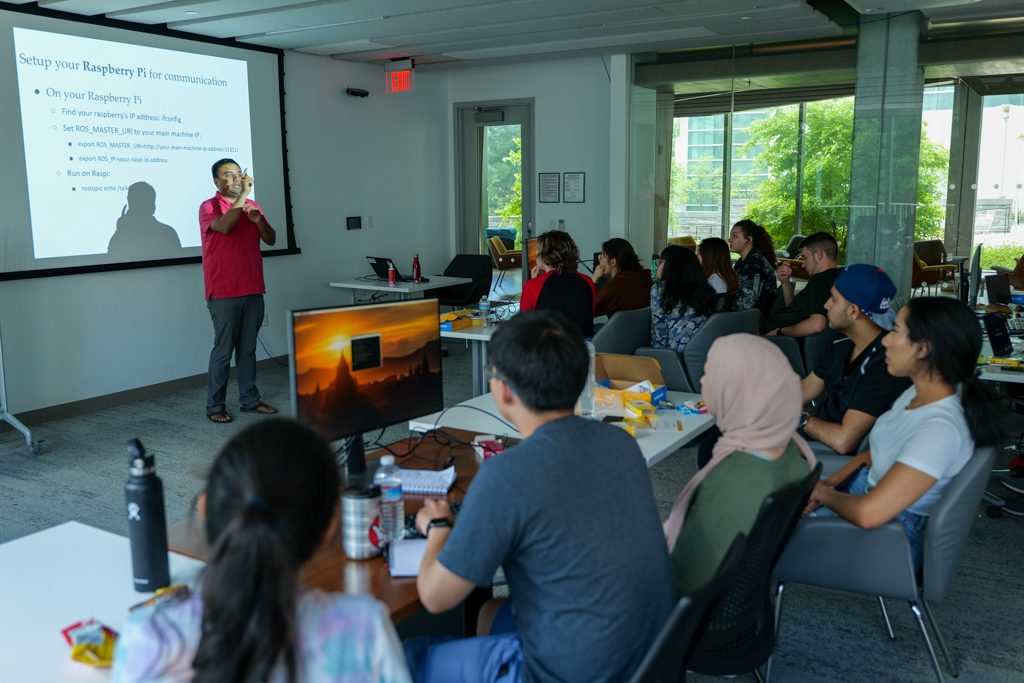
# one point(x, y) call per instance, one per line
point(852, 373)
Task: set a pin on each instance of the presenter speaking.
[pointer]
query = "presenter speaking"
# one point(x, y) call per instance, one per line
point(232, 226)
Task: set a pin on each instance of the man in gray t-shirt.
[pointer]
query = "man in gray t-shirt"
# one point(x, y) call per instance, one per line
point(589, 577)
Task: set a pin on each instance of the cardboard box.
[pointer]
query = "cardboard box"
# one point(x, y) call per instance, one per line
point(617, 372)
point(456, 320)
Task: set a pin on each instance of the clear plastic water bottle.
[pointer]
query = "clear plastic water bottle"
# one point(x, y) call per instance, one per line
point(392, 508)
point(587, 408)
point(485, 310)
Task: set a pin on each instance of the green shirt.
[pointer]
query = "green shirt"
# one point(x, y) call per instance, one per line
point(726, 503)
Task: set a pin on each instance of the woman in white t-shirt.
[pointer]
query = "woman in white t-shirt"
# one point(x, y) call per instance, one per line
point(932, 429)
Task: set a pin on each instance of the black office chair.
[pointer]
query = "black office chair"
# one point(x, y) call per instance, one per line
point(726, 300)
point(475, 266)
point(740, 636)
point(666, 661)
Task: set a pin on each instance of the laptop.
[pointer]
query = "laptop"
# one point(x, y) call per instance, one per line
point(999, 336)
point(380, 267)
point(998, 288)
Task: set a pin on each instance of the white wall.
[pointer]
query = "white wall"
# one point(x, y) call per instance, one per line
point(72, 338)
point(572, 113)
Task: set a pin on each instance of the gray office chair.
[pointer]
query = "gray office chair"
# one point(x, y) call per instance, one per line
point(829, 552)
point(791, 350)
point(625, 332)
point(682, 372)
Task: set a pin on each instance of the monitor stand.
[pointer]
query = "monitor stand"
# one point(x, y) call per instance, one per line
point(355, 464)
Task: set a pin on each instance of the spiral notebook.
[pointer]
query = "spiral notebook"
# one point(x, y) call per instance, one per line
point(428, 481)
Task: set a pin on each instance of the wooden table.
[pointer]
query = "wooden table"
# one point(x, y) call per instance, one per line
point(331, 570)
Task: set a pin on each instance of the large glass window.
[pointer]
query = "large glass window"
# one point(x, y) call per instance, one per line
point(997, 218)
point(769, 172)
point(695, 200)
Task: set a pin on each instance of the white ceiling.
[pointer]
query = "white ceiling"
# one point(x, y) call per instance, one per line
point(449, 33)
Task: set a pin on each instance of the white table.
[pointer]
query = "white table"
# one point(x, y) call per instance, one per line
point(993, 373)
point(477, 336)
point(50, 580)
point(404, 290)
point(655, 444)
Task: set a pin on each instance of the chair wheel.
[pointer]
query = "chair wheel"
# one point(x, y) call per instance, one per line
point(994, 511)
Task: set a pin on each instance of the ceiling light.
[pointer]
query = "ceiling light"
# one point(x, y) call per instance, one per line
point(191, 11)
point(313, 28)
point(746, 17)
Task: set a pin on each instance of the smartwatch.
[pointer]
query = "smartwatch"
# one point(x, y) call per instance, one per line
point(440, 521)
point(804, 417)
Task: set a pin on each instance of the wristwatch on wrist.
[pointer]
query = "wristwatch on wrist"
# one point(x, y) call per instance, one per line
point(440, 521)
point(781, 332)
point(804, 417)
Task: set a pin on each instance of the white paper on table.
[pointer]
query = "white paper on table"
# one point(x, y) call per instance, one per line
point(406, 556)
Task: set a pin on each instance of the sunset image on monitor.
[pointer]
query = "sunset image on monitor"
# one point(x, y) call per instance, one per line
point(364, 367)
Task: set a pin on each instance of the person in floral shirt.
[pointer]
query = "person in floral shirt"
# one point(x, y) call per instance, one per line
point(270, 501)
point(681, 301)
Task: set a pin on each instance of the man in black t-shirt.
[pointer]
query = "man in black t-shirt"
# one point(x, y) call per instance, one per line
point(803, 314)
point(590, 582)
point(852, 373)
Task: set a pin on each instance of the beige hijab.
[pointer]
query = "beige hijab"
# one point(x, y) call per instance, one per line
point(755, 396)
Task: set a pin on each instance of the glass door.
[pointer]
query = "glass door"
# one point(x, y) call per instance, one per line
point(495, 180)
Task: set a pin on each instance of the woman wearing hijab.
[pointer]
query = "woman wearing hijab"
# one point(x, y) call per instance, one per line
point(755, 396)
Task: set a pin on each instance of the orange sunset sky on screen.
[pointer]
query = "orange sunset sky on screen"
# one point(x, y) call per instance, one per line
point(321, 337)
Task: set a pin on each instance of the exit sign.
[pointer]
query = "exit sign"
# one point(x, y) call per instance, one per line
point(400, 76)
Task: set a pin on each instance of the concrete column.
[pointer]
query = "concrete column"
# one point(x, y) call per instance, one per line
point(964, 155)
point(886, 146)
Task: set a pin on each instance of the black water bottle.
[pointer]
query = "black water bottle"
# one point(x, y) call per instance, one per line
point(144, 494)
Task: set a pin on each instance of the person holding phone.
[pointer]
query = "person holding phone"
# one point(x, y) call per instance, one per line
point(232, 226)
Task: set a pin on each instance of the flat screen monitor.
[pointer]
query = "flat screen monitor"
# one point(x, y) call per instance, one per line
point(531, 254)
point(975, 277)
point(359, 368)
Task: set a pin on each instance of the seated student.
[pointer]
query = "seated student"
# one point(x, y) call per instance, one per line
point(803, 314)
point(271, 500)
point(919, 445)
point(755, 397)
point(756, 267)
point(589, 581)
point(851, 373)
point(630, 284)
point(681, 301)
point(713, 254)
point(555, 285)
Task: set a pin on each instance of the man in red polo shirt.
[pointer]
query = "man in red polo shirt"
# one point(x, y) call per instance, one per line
point(232, 227)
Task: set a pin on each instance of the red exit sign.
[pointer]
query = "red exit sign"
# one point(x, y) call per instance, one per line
point(399, 80)
point(400, 76)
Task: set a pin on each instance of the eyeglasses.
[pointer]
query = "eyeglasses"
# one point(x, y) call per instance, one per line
point(658, 261)
point(493, 375)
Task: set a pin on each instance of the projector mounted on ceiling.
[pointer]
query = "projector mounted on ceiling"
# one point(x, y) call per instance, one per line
point(892, 6)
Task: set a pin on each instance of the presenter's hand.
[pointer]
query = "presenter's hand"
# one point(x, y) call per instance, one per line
point(253, 214)
point(247, 182)
point(431, 510)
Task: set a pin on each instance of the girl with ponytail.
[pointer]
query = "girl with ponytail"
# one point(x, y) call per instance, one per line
point(270, 502)
point(932, 429)
point(756, 267)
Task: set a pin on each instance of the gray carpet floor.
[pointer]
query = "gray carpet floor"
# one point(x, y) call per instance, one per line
point(825, 636)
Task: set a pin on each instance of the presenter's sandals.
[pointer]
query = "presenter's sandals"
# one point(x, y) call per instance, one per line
point(260, 407)
point(220, 416)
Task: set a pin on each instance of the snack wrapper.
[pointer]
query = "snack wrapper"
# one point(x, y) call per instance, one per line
point(91, 642)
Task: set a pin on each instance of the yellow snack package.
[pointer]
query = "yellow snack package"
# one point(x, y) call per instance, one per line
point(91, 642)
point(641, 408)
